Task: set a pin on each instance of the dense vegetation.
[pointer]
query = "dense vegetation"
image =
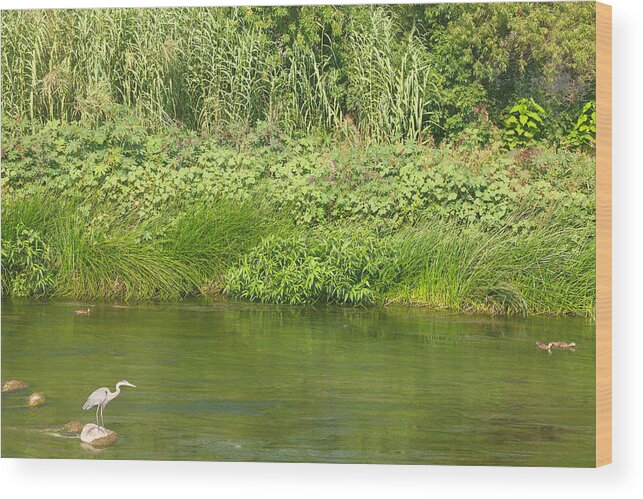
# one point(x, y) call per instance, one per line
point(385, 73)
point(121, 164)
point(113, 211)
point(437, 155)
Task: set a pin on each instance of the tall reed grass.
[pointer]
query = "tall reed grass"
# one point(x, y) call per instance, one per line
point(398, 95)
point(212, 69)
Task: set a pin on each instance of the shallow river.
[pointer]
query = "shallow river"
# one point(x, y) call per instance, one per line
point(245, 382)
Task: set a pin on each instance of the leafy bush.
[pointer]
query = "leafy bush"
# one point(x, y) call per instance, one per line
point(524, 124)
point(346, 267)
point(583, 134)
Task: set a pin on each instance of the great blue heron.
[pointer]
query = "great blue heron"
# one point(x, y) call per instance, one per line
point(101, 397)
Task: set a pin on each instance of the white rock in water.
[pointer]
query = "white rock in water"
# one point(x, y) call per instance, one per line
point(97, 436)
point(14, 385)
point(37, 399)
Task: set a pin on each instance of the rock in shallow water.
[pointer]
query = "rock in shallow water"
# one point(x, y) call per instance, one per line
point(14, 385)
point(37, 399)
point(97, 436)
point(74, 427)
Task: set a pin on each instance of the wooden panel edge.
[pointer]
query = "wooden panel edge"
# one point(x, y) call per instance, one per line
point(603, 234)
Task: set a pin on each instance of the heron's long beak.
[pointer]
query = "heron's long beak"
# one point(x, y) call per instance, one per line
point(130, 384)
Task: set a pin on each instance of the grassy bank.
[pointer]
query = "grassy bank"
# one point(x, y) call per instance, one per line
point(115, 211)
point(435, 263)
point(118, 213)
point(417, 154)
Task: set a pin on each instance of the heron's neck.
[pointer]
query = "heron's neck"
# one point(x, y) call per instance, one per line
point(115, 392)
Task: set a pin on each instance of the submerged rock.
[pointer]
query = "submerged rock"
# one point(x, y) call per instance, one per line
point(74, 427)
point(37, 399)
point(97, 436)
point(14, 385)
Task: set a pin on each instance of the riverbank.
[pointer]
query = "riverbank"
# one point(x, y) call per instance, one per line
point(114, 212)
point(357, 155)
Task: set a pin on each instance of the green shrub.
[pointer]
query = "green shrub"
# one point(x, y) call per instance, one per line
point(351, 267)
point(583, 135)
point(523, 125)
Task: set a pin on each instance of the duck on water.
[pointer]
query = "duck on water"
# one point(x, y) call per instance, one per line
point(563, 345)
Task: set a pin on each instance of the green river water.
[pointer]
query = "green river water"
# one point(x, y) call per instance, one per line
point(245, 382)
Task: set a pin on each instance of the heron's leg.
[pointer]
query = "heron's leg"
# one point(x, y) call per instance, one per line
point(97, 408)
point(101, 416)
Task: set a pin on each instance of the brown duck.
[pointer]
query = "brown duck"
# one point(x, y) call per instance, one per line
point(544, 346)
point(83, 311)
point(563, 344)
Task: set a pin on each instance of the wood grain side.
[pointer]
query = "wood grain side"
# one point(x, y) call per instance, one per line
point(603, 234)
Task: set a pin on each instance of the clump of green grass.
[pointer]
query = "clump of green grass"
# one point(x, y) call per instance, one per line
point(547, 270)
point(97, 255)
point(111, 260)
point(213, 236)
point(101, 253)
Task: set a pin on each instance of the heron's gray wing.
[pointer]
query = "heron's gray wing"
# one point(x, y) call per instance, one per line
point(96, 398)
